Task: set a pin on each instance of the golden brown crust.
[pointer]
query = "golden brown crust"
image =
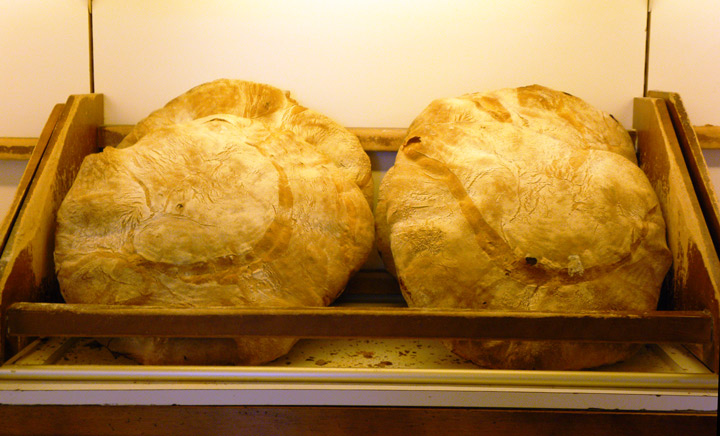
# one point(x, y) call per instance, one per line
point(536, 108)
point(498, 202)
point(218, 211)
point(271, 106)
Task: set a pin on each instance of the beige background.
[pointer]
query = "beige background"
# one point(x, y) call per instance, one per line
point(685, 55)
point(685, 58)
point(43, 59)
point(368, 63)
point(365, 63)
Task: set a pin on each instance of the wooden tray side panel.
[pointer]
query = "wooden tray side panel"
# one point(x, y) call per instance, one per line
point(29, 173)
point(696, 269)
point(695, 161)
point(27, 271)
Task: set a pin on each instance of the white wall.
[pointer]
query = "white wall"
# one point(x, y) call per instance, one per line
point(365, 63)
point(373, 63)
point(43, 59)
point(685, 55)
point(685, 58)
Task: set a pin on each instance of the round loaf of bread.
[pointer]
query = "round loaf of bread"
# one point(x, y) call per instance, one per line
point(219, 211)
point(522, 199)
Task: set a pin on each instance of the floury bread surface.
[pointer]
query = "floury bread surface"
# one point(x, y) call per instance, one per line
point(219, 211)
point(522, 199)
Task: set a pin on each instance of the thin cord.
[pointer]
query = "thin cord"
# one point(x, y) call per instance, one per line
point(91, 48)
point(647, 49)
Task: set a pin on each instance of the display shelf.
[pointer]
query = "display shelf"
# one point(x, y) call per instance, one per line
point(369, 350)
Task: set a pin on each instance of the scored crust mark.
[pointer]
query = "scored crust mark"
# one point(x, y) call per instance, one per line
point(494, 108)
point(277, 236)
point(527, 269)
point(246, 99)
point(534, 96)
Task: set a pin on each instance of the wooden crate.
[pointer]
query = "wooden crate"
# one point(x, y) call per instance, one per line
point(28, 274)
point(31, 305)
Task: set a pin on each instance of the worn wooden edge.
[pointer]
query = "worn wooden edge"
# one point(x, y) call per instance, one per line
point(702, 184)
point(695, 162)
point(38, 149)
point(371, 139)
point(708, 136)
point(696, 268)
point(179, 420)
point(82, 320)
point(26, 266)
point(16, 148)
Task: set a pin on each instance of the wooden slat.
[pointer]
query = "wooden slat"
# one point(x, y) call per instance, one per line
point(695, 275)
point(38, 149)
point(709, 136)
point(379, 139)
point(372, 139)
point(15, 141)
point(697, 170)
point(308, 420)
point(17, 148)
point(73, 320)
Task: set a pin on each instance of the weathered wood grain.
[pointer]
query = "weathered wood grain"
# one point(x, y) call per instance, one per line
point(38, 149)
point(27, 271)
point(695, 283)
point(695, 162)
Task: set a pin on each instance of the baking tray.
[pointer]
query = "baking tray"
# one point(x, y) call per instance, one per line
point(368, 350)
